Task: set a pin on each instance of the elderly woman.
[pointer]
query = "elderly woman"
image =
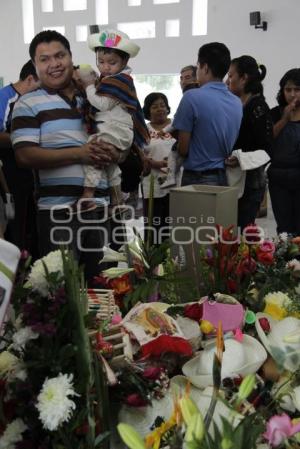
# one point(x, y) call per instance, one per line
point(156, 110)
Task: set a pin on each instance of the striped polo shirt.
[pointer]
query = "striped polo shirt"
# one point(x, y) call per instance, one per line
point(48, 120)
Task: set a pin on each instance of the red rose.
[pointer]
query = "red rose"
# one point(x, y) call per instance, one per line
point(135, 400)
point(246, 266)
point(265, 325)
point(264, 258)
point(193, 311)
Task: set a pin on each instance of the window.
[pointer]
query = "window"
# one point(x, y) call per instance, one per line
point(199, 26)
point(134, 2)
point(47, 5)
point(138, 30)
point(74, 5)
point(101, 12)
point(167, 84)
point(81, 33)
point(172, 28)
point(28, 20)
point(161, 2)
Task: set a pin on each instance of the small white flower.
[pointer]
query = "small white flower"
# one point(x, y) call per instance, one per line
point(12, 434)
point(53, 404)
point(22, 336)
point(293, 264)
point(37, 277)
point(283, 236)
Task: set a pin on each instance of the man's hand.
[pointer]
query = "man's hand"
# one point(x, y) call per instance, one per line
point(232, 161)
point(99, 153)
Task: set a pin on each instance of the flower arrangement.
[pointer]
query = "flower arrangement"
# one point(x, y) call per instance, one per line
point(51, 380)
point(152, 274)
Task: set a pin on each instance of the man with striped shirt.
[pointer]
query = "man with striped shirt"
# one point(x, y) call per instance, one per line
point(48, 135)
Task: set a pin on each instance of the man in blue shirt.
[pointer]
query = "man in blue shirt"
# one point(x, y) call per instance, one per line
point(21, 230)
point(208, 119)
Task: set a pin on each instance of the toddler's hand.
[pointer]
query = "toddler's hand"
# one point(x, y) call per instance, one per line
point(87, 76)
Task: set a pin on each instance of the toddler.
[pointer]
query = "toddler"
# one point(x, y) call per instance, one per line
point(115, 109)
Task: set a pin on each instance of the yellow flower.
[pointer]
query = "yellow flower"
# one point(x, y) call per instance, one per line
point(206, 327)
point(276, 304)
point(152, 440)
point(8, 362)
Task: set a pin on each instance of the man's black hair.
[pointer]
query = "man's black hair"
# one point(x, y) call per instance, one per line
point(47, 36)
point(26, 70)
point(217, 57)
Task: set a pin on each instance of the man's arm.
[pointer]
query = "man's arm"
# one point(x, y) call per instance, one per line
point(92, 153)
point(5, 142)
point(184, 138)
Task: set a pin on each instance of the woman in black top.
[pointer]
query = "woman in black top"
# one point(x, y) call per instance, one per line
point(284, 172)
point(245, 80)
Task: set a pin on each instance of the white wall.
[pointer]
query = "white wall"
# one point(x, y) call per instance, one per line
point(228, 21)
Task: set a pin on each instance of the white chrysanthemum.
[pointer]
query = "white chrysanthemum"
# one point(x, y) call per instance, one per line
point(12, 434)
point(37, 276)
point(22, 336)
point(293, 264)
point(8, 363)
point(54, 405)
point(11, 367)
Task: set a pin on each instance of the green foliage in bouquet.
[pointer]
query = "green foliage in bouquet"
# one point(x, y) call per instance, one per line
point(52, 384)
point(152, 274)
point(243, 436)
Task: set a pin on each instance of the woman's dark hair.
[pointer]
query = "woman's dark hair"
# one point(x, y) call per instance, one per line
point(150, 99)
point(246, 65)
point(291, 75)
point(47, 36)
point(123, 55)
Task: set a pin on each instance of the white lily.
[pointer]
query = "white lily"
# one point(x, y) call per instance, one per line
point(136, 250)
point(113, 273)
point(110, 255)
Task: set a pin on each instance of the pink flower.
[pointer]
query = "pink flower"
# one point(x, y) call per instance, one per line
point(152, 372)
point(116, 319)
point(135, 400)
point(267, 246)
point(279, 428)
